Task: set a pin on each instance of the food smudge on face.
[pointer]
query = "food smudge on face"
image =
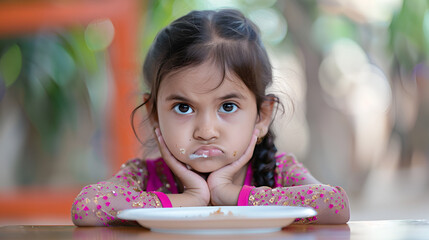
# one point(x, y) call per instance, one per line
point(182, 151)
point(194, 156)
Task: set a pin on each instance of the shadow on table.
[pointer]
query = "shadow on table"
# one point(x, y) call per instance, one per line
point(290, 232)
point(72, 232)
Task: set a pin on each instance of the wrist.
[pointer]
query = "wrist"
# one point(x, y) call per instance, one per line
point(225, 195)
point(198, 197)
point(243, 196)
point(187, 199)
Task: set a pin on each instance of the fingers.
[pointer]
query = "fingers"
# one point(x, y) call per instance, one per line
point(162, 146)
point(166, 154)
point(231, 169)
point(194, 185)
point(249, 151)
point(176, 166)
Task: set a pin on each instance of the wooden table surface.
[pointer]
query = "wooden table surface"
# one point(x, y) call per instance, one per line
point(386, 229)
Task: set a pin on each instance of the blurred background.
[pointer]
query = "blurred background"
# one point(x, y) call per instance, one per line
point(353, 76)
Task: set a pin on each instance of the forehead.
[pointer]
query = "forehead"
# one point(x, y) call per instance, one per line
point(200, 79)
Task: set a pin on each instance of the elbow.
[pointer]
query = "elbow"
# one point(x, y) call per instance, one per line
point(78, 216)
point(76, 219)
point(82, 210)
point(327, 217)
point(82, 217)
point(344, 214)
point(337, 208)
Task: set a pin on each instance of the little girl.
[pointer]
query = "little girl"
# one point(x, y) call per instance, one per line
point(208, 72)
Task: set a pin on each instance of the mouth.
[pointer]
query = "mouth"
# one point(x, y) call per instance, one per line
point(205, 152)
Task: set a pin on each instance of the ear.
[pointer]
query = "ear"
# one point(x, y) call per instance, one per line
point(153, 118)
point(265, 114)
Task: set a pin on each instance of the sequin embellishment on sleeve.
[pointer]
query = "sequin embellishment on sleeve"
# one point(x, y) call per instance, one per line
point(98, 204)
point(296, 187)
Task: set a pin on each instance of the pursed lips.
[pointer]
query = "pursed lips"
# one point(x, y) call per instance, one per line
point(208, 151)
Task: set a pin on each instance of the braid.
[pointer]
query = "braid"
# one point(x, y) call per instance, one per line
point(264, 161)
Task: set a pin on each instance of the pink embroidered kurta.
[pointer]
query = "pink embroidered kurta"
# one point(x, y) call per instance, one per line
point(144, 184)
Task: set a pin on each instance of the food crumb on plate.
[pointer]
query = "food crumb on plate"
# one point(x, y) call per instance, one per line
point(219, 212)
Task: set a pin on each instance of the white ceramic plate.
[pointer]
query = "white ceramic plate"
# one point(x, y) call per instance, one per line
point(217, 220)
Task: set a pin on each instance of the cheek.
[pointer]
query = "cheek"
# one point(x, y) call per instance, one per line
point(240, 139)
point(240, 130)
point(175, 138)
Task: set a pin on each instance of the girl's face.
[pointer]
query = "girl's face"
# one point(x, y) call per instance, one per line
point(206, 125)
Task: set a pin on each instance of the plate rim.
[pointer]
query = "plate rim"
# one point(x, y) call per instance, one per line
point(150, 213)
point(231, 231)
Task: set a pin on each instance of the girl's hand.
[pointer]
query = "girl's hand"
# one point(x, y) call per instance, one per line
point(222, 189)
point(196, 191)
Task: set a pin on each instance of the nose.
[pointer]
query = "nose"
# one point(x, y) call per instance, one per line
point(206, 127)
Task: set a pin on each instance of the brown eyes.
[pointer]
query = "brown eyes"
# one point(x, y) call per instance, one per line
point(183, 108)
point(228, 107)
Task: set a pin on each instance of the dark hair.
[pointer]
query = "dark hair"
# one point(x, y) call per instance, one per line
point(233, 43)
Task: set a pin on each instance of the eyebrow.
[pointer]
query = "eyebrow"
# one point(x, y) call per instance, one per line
point(176, 97)
point(232, 95)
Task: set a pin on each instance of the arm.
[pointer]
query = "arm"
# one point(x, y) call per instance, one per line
point(98, 204)
point(300, 188)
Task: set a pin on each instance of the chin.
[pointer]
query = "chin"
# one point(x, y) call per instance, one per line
point(204, 169)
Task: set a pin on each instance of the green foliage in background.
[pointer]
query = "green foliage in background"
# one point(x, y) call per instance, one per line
point(57, 80)
point(47, 74)
point(409, 34)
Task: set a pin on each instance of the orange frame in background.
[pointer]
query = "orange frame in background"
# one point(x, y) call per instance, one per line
point(26, 17)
